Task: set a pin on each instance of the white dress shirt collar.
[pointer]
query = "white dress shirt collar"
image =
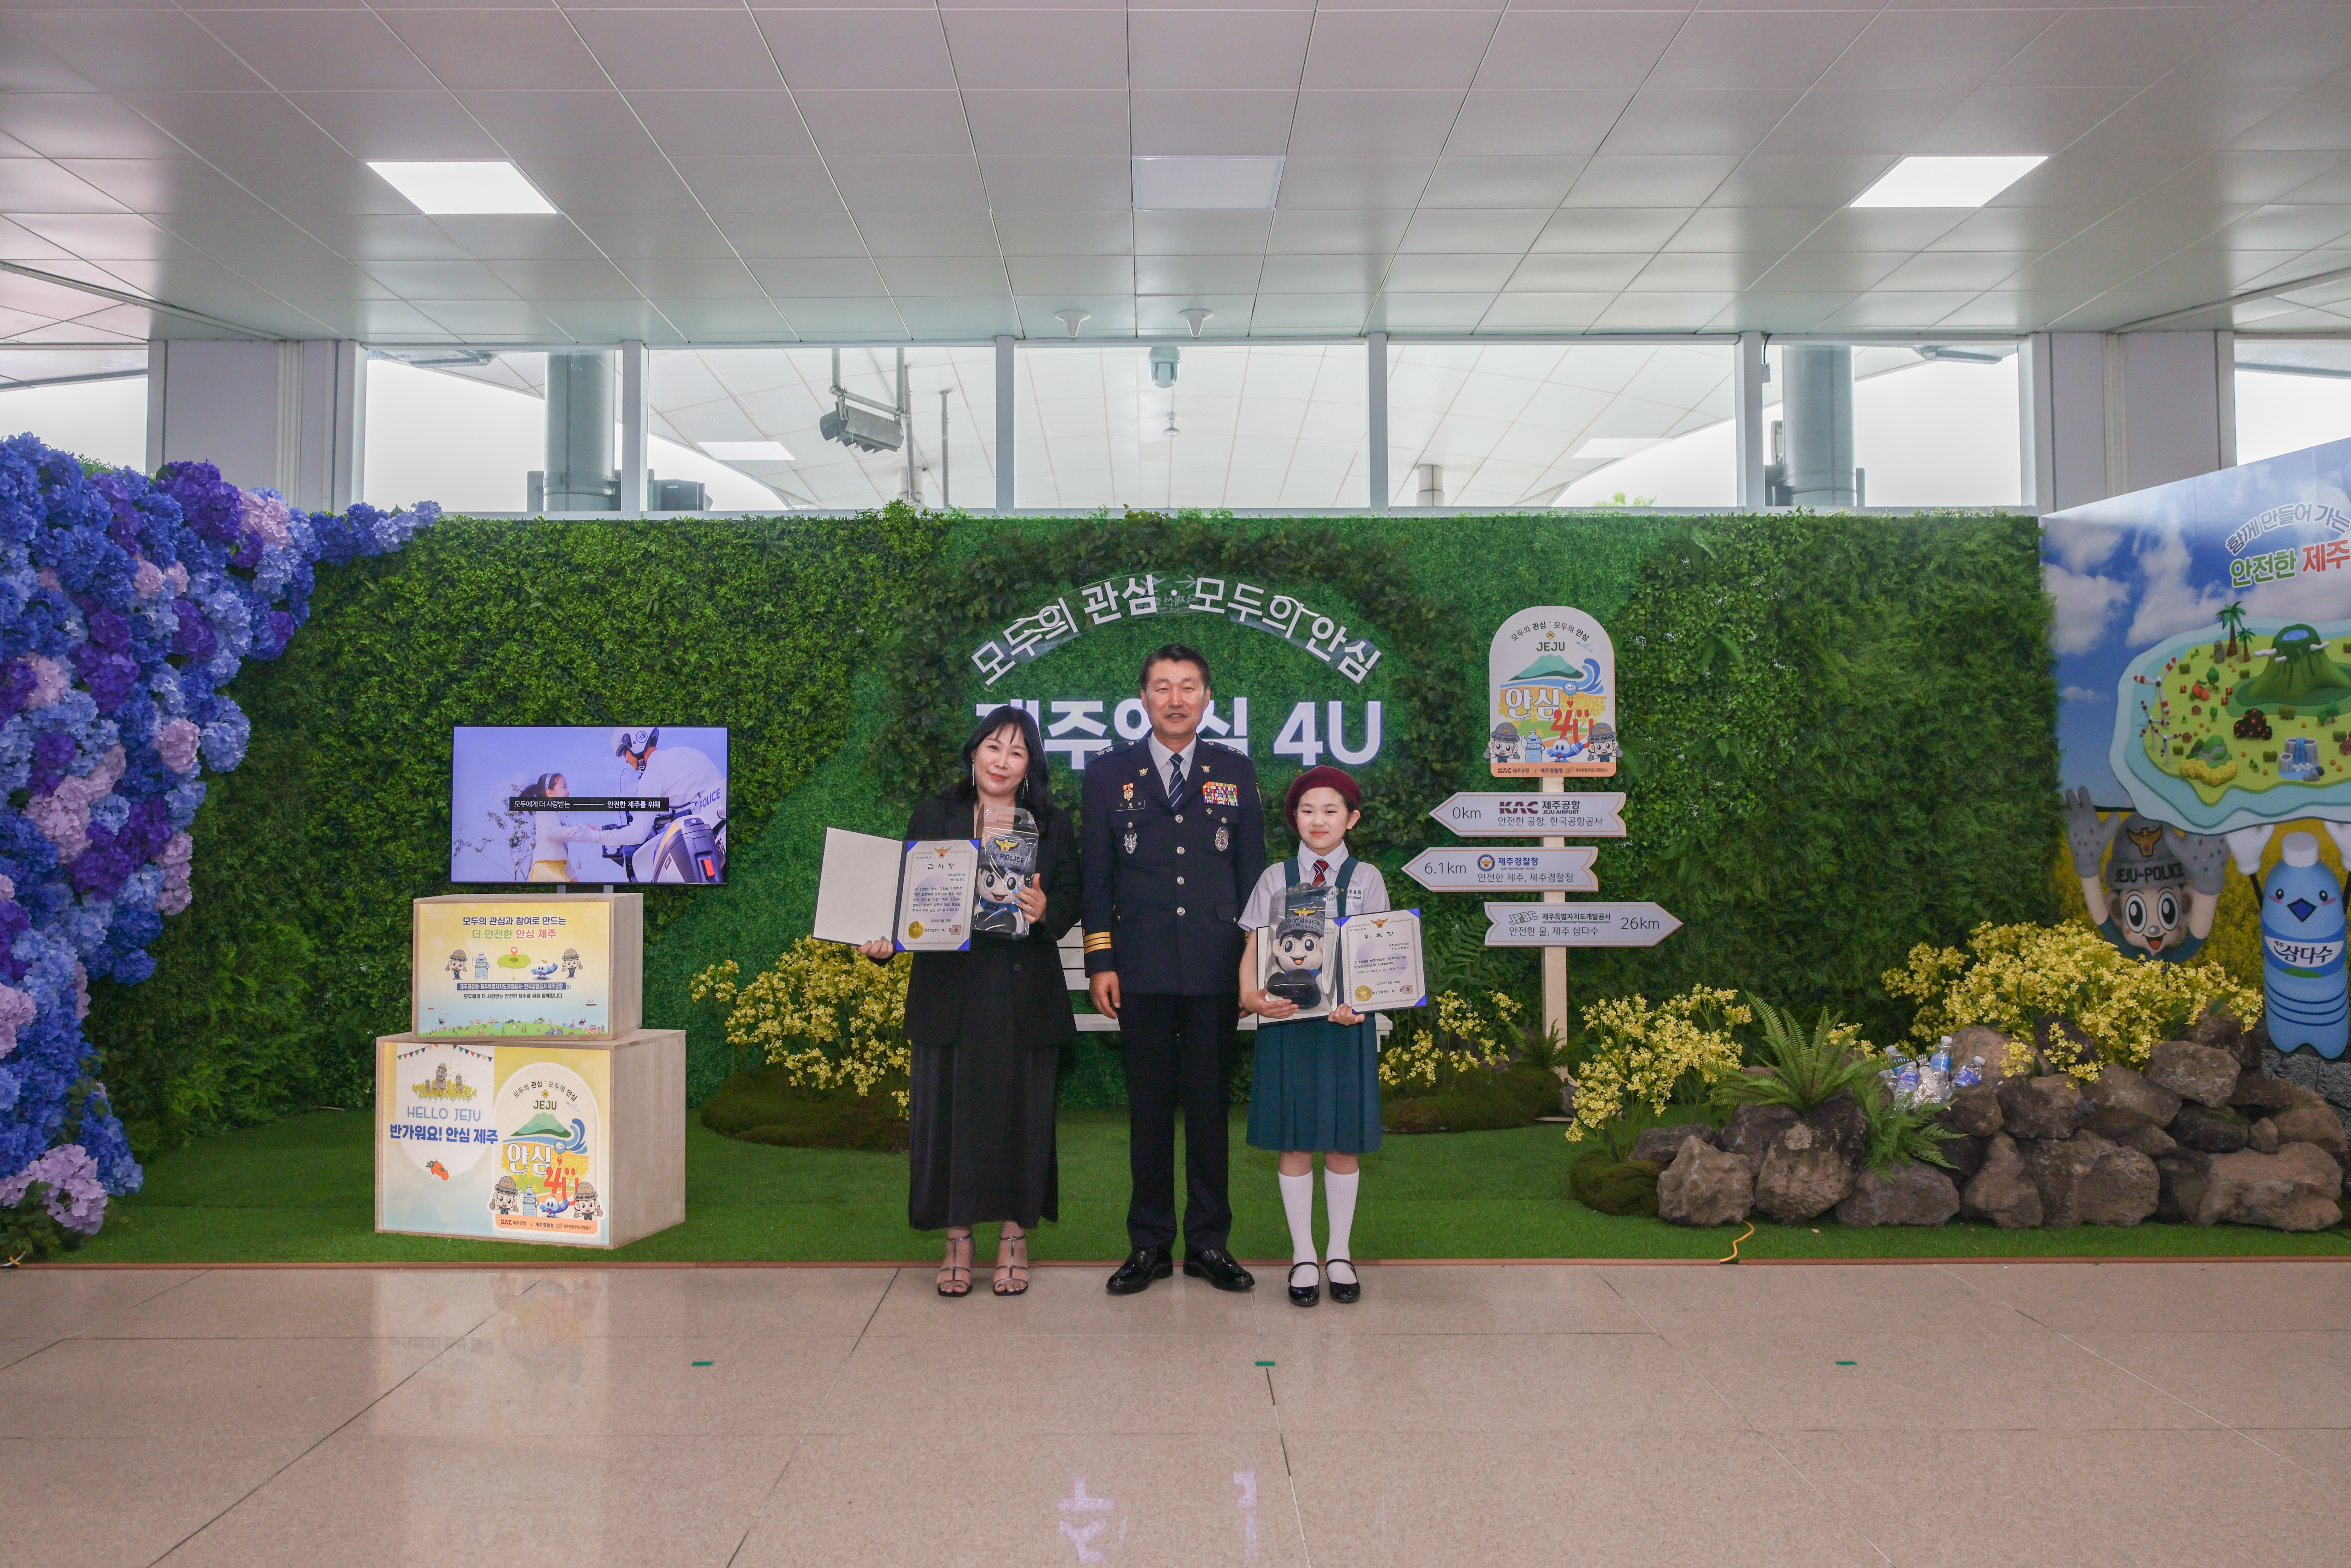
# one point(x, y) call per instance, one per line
point(1160, 754)
point(1307, 856)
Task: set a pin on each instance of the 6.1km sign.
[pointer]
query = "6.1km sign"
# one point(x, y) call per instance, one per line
point(1501, 870)
point(1528, 815)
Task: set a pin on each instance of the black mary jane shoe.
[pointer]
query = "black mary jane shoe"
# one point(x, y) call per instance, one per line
point(1346, 1292)
point(1143, 1265)
point(1219, 1268)
point(1304, 1295)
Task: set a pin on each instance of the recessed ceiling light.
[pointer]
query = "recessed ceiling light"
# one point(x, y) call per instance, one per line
point(1195, 184)
point(747, 451)
point(1945, 182)
point(466, 187)
point(1615, 447)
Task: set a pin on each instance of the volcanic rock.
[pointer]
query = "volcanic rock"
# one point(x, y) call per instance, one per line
point(2184, 1176)
point(2120, 1099)
point(2264, 1137)
point(2296, 1188)
point(2313, 1124)
point(2050, 1106)
point(2255, 1092)
point(1802, 1176)
point(2000, 1192)
point(2199, 1072)
point(1980, 1039)
point(1974, 1110)
point(1965, 1156)
point(2220, 1029)
point(1905, 1193)
point(1704, 1185)
point(2209, 1131)
point(1663, 1143)
point(2152, 1142)
point(1842, 1125)
point(2087, 1180)
point(1752, 1129)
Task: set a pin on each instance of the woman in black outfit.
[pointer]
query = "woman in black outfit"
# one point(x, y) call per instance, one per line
point(987, 1025)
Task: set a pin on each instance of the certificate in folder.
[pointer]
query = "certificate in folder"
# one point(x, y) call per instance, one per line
point(916, 893)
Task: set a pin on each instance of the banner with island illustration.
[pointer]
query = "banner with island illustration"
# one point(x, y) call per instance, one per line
point(506, 1142)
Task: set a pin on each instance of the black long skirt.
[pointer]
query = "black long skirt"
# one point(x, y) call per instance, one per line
point(980, 1124)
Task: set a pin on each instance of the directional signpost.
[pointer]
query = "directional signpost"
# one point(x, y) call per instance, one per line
point(1497, 869)
point(1578, 924)
point(1526, 815)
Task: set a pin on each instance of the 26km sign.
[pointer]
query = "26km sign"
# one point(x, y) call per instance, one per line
point(1526, 815)
point(1578, 924)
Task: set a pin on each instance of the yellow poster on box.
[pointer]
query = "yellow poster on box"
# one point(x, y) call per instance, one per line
point(514, 967)
point(511, 1142)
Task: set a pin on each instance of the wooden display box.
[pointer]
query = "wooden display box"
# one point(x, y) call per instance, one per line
point(527, 966)
point(566, 1142)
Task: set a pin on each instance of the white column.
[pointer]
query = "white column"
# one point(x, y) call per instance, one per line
point(635, 414)
point(2176, 404)
point(2224, 384)
point(282, 415)
point(1005, 425)
point(2077, 419)
point(1747, 420)
point(1375, 364)
point(2036, 452)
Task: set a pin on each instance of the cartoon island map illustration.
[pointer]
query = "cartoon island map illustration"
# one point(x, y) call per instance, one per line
point(2239, 724)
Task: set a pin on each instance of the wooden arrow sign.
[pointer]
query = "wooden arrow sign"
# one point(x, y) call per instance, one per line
point(1578, 924)
point(1526, 815)
point(1497, 870)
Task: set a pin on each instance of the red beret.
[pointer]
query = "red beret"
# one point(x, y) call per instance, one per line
point(1323, 779)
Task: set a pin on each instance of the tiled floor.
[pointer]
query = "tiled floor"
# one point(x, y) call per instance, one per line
point(1926, 1414)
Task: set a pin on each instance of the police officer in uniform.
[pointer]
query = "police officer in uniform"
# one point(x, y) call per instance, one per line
point(1173, 839)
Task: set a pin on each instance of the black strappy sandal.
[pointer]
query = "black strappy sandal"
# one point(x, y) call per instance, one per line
point(949, 1286)
point(1011, 1275)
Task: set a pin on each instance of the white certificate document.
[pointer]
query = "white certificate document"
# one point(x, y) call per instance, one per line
point(1379, 961)
point(934, 895)
point(857, 891)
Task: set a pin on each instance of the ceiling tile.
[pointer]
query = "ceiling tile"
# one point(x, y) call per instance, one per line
point(1749, 230)
point(581, 279)
point(1450, 273)
point(1059, 185)
point(308, 51)
point(1337, 231)
point(1460, 312)
point(2283, 227)
point(1309, 313)
point(1540, 312)
point(453, 279)
point(1066, 234)
point(1762, 49)
point(719, 320)
point(1337, 274)
point(581, 185)
point(983, 315)
point(1354, 183)
point(513, 49)
point(2275, 44)
point(1228, 314)
point(1063, 123)
point(367, 238)
point(1822, 272)
point(1649, 181)
point(1695, 271)
point(1210, 123)
point(2319, 119)
point(873, 122)
point(1373, 123)
point(1895, 312)
point(20, 244)
point(1954, 48)
point(561, 124)
point(81, 125)
point(1848, 122)
point(1497, 182)
point(928, 233)
point(2029, 230)
point(233, 124)
point(1199, 275)
point(1201, 233)
point(910, 184)
point(2088, 47)
point(843, 320)
point(1572, 122)
point(817, 277)
point(1022, 48)
point(1889, 228)
point(688, 50)
point(1777, 312)
point(1473, 231)
point(1575, 48)
point(145, 50)
point(1395, 49)
point(318, 185)
point(760, 184)
point(724, 124)
point(1572, 272)
point(1696, 122)
point(622, 235)
point(2019, 121)
point(1224, 49)
point(397, 125)
point(2248, 177)
point(1113, 314)
point(870, 49)
point(100, 237)
point(1952, 270)
point(1995, 310)
point(1777, 179)
point(1034, 275)
point(36, 185)
point(1606, 229)
point(1661, 312)
point(664, 278)
point(151, 185)
point(946, 275)
point(791, 234)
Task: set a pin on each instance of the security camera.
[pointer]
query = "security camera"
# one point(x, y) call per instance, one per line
point(1163, 366)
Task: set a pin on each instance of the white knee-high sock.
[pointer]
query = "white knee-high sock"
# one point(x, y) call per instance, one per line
point(1298, 1203)
point(1338, 1202)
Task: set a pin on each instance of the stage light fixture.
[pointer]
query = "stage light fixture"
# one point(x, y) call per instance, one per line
point(473, 187)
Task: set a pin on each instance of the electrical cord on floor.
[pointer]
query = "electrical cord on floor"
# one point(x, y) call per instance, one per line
point(1733, 1258)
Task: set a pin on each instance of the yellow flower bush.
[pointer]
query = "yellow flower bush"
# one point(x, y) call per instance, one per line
point(2011, 977)
point(826, 1016)
point(1480, 1041)
point(1640, 1052)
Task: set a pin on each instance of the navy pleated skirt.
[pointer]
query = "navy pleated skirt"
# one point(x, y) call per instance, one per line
point(1316, 1087)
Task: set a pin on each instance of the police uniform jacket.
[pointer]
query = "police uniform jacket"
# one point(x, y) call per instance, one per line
point(1163, 882)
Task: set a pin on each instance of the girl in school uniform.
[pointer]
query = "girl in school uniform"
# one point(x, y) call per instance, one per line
point(1316, 1088)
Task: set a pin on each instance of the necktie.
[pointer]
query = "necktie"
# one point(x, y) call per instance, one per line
point(1319, 867)
point(1176, 779)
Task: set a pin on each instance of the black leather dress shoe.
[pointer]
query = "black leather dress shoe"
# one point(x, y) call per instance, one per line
point(1304, 1295)
point(1217, 1267)
point(1346, 1292)
point(1143, 1265)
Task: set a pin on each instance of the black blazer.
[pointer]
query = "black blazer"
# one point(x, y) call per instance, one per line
point(1040, 996)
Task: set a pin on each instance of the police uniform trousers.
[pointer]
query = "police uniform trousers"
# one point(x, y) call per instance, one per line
point(979, 1114)
point(1179, 1050)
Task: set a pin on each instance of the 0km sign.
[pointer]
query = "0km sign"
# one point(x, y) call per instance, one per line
point(1499, 870)
point(1526, 815)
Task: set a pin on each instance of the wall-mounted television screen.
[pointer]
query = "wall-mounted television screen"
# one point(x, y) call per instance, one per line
point(579, 803)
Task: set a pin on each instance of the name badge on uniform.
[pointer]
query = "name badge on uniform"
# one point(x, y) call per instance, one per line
point(1215, 793)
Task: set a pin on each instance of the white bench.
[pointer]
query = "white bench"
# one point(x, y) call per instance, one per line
point(1074, 969)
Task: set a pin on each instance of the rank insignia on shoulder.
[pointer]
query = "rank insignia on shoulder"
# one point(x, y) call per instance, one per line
point(1221, 794)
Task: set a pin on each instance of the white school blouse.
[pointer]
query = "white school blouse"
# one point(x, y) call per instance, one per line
point(1366, 894)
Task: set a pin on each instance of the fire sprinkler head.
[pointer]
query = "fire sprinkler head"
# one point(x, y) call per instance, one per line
point(1073, 319)
point(1195, 315)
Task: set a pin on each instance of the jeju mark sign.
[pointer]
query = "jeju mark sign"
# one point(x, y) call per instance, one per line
point(1552, 683)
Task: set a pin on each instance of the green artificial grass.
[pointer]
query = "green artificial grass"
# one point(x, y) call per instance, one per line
point(301, 1190)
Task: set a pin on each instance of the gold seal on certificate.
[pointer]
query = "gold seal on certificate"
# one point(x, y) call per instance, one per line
point(934, 895)
point(1379, 961)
